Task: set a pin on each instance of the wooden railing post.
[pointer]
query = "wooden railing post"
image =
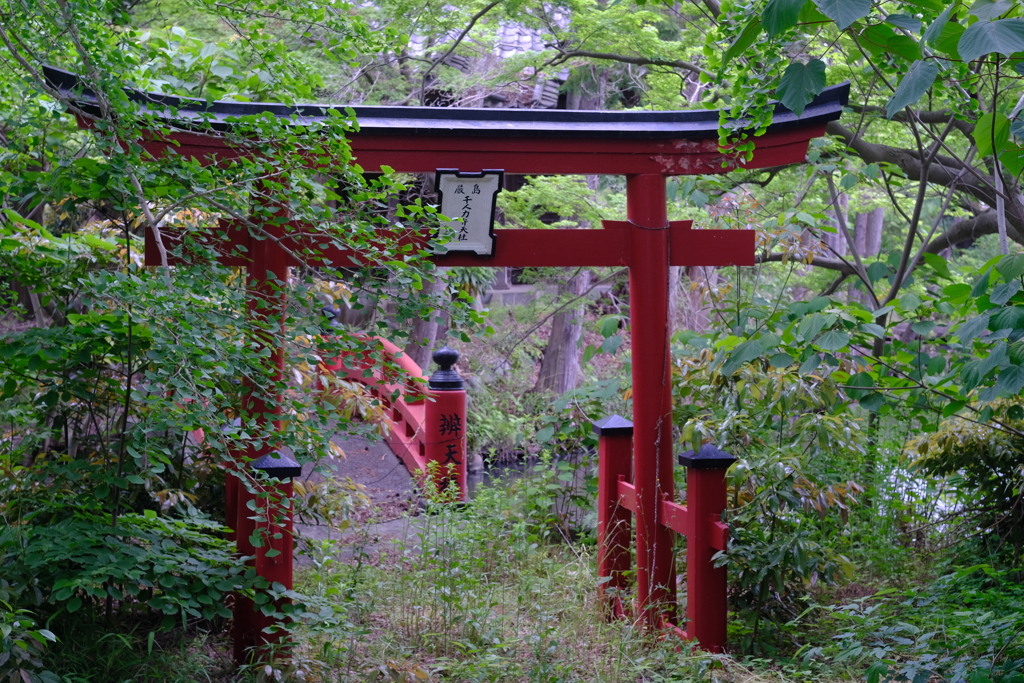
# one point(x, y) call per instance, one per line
point(444, 428)
point(706, 499)
point(614, 522)
point(274, 553)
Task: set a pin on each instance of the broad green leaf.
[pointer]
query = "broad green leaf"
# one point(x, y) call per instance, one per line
point(905, 22)
point(936, 365)
point(810, 365)
point(861, 379)
point(981, 286)
point(970, 374)
point(939, 265)
point(931, 36)
point(1012, 158)
point(1009, 318)
point(872, 329)
point(923, 327)
point(844, 12)
point(780, 15)
point(912, 86)
point(882, 311)
point(991, 133)
point(1011, 379)
point(1015, 413)
point(800, 83)
point(949, 40)
point(909, 302)
point(1011, 266)
point(877, 270)
point(611, 344)
point(1003, 292)
point(873, 402)
point(609, 325)
point(972, 328)
point(953, 407)
point(998, 357)
point(781, 360)
point(744, 353)
point(833, 340)
point(810, 326)
point(1004, 36)
point(744, 40)
point(991, 9)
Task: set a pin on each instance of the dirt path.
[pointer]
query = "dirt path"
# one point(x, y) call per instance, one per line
point(390, 488)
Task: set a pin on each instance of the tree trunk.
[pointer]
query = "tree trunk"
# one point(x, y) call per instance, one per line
point(424, 336)
point(873, 233)
point(560, 364)
point(696, 307)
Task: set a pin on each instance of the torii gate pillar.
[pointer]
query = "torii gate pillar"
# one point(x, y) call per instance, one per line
point(653, 466)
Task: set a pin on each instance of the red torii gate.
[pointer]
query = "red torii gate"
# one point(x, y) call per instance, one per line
point(646, 147)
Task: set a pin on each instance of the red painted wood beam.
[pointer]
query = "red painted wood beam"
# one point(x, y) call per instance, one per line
point(515, 248)
point(423, 154)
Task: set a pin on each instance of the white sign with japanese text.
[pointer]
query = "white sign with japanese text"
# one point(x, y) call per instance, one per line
point(468, 199)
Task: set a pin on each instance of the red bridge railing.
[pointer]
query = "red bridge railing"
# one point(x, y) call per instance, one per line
point(699, 520)
point(426, 423)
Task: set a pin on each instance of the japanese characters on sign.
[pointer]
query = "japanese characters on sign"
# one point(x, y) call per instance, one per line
point(468, 199)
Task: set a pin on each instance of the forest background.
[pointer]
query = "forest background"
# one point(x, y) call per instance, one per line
point(867, 372)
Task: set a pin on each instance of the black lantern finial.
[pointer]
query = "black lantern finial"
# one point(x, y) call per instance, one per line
point(445, 378)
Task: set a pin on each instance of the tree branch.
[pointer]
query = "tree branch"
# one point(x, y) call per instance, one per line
point(566, 55)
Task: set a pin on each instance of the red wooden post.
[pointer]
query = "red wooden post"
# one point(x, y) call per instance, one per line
point(274, 555)
point(267, 278)
point(444, 423)
point(653, 461)
point(614, 522)
point(706, 607)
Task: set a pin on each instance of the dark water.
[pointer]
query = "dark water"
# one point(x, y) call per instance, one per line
point(498, 474)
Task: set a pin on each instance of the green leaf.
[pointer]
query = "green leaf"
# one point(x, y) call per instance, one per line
point(871, 328)
point(912, 86)
point(972, 328)
point(744, 353)
point(952, 408)
point(74, 604)
point(905, 22)
point(833, 340)
point(931, 36)
point(781, 360)
point(949, 40)
point(936, 365)
point(939, 265)
point(780, 15)
point(877, 270)
point(609, 325)
point(923, 327)
point(611, 344)
point(981, 286)
point(873, 402)
point(844, 12)
point(991, 133)
point(744, 40)
point(861, 379)
point(1009, 318)
point(1004, 291)
point(810, 365)
point(909, 302)
point(545, 433)
point(1011, 379)
point(810, 327)
point(1011, 266)
point(1004, 36)
point(991, 9)
point(800, 83)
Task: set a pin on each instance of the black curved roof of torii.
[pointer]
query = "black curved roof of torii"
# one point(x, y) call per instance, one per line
point(446, 121)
